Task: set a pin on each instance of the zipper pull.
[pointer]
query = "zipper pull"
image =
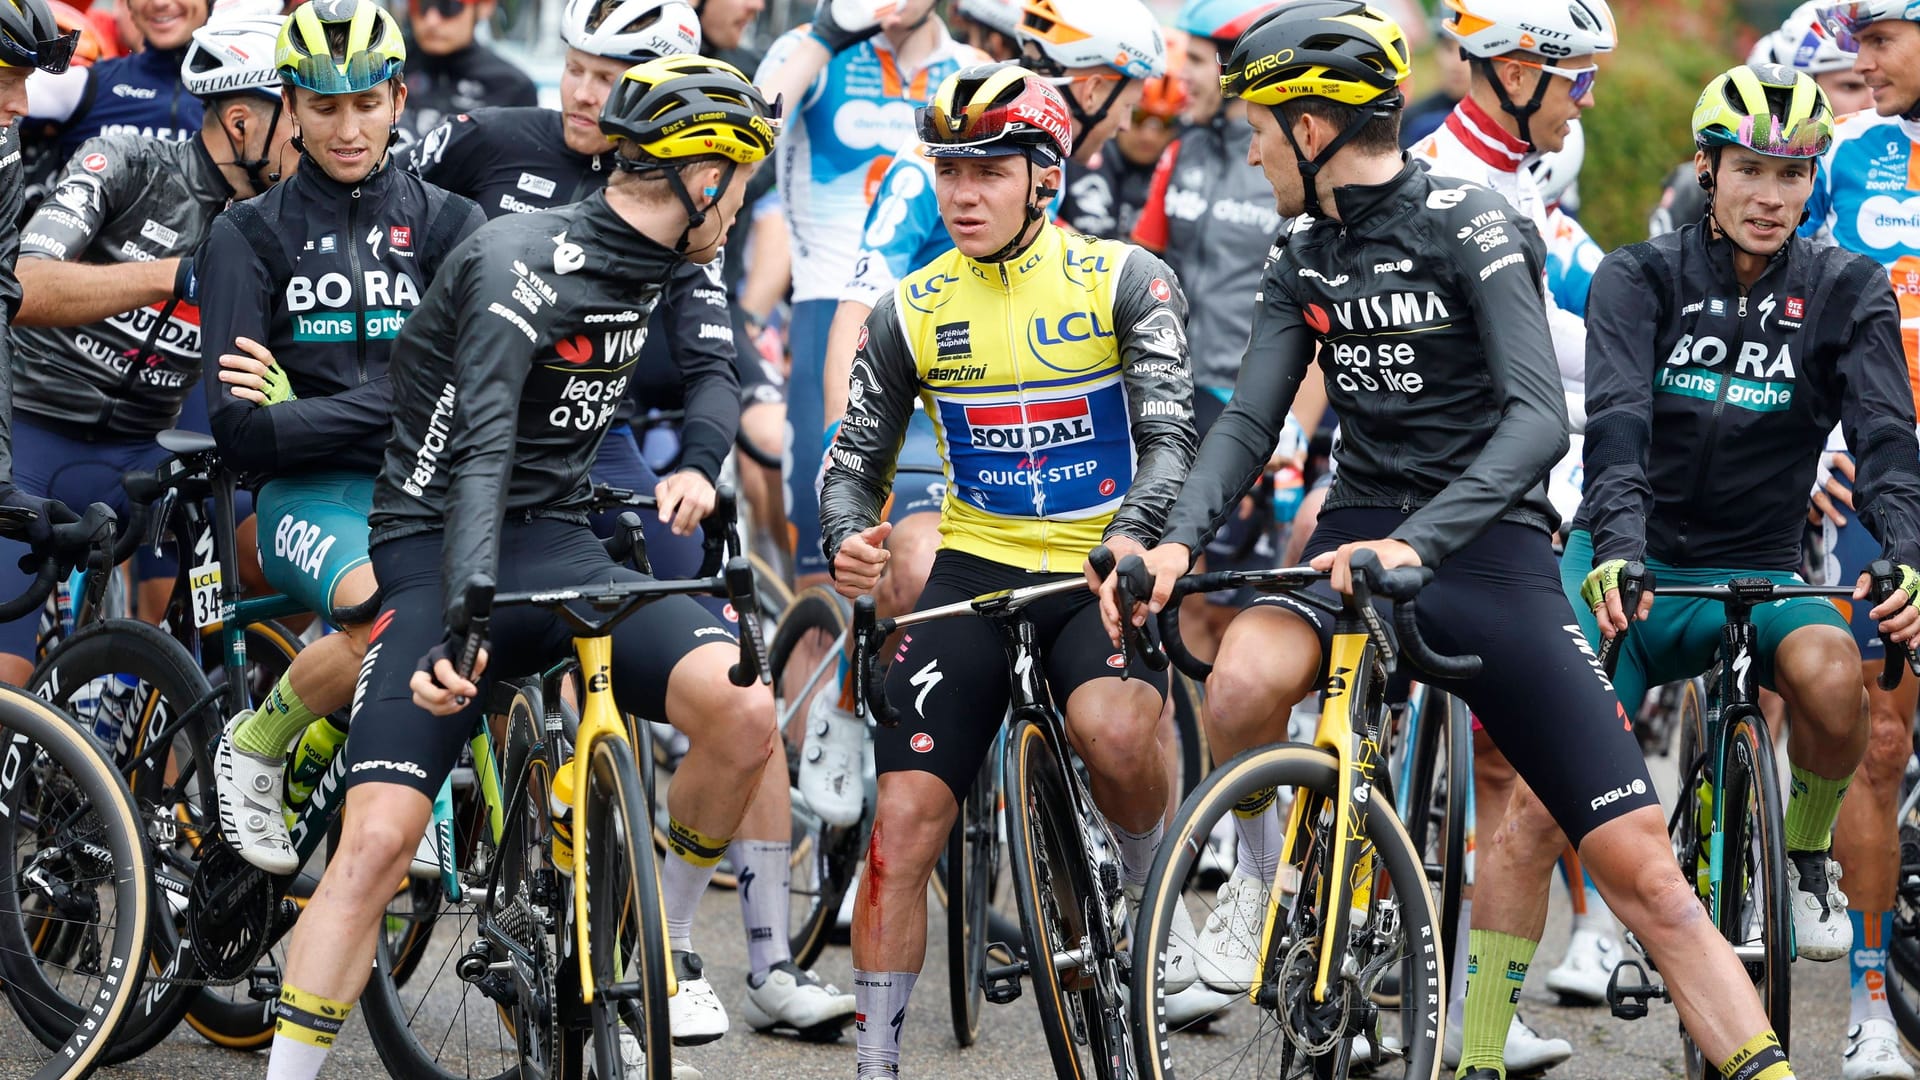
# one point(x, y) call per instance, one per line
point(1406, 503)
point(356, 192)
point(1743, 305)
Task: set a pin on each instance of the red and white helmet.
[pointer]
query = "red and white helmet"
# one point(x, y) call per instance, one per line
point(1059, 35)
point(1550, 28)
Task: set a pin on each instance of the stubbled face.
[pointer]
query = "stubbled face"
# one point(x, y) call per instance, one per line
point(586, 81)
point(723, 23)
point(167, 24)
point(1889, 62)
point(983, 201)
point(1274, 155)
point(1757, 199)
point(1200, 74)
point(348, 134)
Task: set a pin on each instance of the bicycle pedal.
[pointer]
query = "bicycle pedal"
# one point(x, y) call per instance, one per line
point(263, 986)
point(1110, 878)
point(1628, 990)
point(1002, 982)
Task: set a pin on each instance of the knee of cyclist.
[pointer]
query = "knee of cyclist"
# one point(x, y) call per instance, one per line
point(1659, 900)
point(1242, 698)
point(1116, 729)
point(377, 849)
point(1529, 832)
point(743, 730)
point(910, 830)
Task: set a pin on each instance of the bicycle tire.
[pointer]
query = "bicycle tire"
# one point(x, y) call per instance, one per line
point(1437, 801)
point(1903, 946)
point(31, 729)
point(1310, 773)
point(1689, 845)
point(626, 923)
point(1050, 880)
point(826, 857)
point(394, 1008)
point(972, 863)
point(1750, 760)
point(159, 664)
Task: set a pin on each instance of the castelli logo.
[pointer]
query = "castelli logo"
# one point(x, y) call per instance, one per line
point(921, 743)
point(1116, 661)
point(729, 614)
point(1317, 318)
point(1158, 287)
point(577, 349)
point(861, 341)
point(94, 162)
point(1107, 486)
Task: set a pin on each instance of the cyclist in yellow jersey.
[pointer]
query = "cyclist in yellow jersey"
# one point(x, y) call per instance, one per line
point(1055, 369)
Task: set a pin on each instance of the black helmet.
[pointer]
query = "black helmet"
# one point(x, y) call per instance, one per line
point(30, 38)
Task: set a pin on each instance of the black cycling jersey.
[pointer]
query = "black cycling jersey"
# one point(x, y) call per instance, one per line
point(440, 87)
point(11, 183)
point(1707, 407)
point(509, 373)
point(510, 161)
point(1424, 301)
point(1106, 200)
point(324, 275)
point(123, 198)
point(136, 94)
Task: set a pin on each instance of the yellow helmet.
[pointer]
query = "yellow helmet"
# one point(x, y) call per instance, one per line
point(681, 109)
point(1767, 108)
point(366, 47)
point(1341, 50)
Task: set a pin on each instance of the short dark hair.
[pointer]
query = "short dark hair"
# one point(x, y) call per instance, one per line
point(1379, 135)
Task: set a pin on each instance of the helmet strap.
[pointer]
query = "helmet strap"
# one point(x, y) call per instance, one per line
point(696, 214)
point(1090, 120)
point(1035, 211)
point(256, 167)
point(1523, 114)
point(1310, 168)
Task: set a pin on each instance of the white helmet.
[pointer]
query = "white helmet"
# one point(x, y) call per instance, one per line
point(1059, 35)
point(233, 55)
point(631, 30)
point(1802, 43)
point(1550, 28)
point(1555, 173)
point(1000, 16)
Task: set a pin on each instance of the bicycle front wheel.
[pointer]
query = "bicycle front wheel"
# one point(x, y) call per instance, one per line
point(74, 915)
point(626, 926)
point(1285, 1033)
point(972, 864)
point(1755, 916)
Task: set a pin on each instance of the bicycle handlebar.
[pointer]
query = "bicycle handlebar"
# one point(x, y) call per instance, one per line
point(71, 544)
point(1635, 581)
point(1885, 581)
point(868, 631)
point(1135, 586)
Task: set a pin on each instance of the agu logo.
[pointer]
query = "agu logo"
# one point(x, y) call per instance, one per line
point(1036, 426)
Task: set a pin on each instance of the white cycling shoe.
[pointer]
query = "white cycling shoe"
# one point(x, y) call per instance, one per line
point(633, 1061)
point(831, 762)
point(1224, 952)
point(694, 1013)
point(1180, 969)
point(1527, 1051)
point(1873, 1053)
point(792, 999)
point(1821, 929)
point(1584, 972)
point(252, 792)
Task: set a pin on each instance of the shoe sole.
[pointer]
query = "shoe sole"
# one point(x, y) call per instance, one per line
point(827, 1031)
point(698, 1040)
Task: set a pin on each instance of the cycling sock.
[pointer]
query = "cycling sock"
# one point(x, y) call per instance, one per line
point(1137, 850)
point(1457, 952)
point(1812, 807)
point(1867, 966)
point(1257, 823)
point(304, 1027)
point(275, 724)
point(684, 878)
point(1759, 1059)
point(879, 1014)
point(1496, 968)
point(765, 876)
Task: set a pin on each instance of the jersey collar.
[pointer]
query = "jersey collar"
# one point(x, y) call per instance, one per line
point(1483, 137)
point(1024, 267)
point(1359, 202)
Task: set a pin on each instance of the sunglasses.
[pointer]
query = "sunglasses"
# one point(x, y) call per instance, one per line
point(446, 9)
point(1582, 78)
point(1142, 118)
point(51, 56)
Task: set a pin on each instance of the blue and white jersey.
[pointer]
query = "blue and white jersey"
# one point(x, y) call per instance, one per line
point(903, 228)
point(836, 146)
point(1572, 257)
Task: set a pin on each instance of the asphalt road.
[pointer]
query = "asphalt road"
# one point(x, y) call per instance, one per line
point(1011, 1044)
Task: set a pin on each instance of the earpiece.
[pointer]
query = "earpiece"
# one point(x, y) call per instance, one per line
point(711, 191)
point(1705, 180)
point(1046, 191)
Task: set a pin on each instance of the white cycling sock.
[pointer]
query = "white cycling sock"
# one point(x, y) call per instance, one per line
point(879, 1014)
point(1137, 850)
point(765, 877)
point(681, 885)
point(1258, 853)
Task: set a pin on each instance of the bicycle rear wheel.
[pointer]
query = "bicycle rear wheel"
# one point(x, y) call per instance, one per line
point(1436, 801)
point(626, 926)
point(83, 893)
point(1054, 886)
point(1755, 915)
point(1285, 1034)
point(972, 864)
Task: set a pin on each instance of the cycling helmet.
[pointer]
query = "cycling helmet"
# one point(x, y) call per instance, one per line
point(1340, 50)
point(1549, 28)
point(1803, 43)
point(1000, 16)
point(1164, 97)
point(368, 52)
point(234, 55)
point(30, 37)
point(631, 30)
point(997, 110)
point(1767, 108)
point(1059, 35)
point(1555, 173)
point(88, 47)
point(1221, 20)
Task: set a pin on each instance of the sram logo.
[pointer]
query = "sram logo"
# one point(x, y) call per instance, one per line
point(380, 289)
